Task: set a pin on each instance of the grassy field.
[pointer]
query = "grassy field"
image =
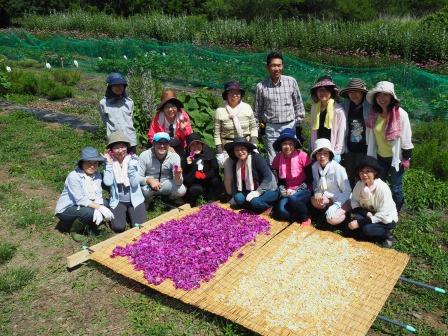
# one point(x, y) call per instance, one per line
point(40, 297)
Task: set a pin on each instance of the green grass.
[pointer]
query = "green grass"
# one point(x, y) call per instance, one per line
point(31, 155)
point(7, 251)
point(13, 279)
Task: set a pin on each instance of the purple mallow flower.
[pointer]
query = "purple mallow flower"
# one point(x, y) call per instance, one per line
point(190, 250)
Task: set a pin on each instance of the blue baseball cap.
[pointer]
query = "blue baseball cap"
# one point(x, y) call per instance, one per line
point(161, 136)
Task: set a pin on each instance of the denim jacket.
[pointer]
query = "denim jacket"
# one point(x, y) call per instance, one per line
point(75, 193)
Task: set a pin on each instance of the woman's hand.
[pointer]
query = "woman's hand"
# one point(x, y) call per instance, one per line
point(406, 164)
point(108, 158)
point(189, 160)
point(353, 225)
point(182, 124)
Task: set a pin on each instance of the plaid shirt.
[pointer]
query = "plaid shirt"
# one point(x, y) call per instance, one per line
point(279, 103)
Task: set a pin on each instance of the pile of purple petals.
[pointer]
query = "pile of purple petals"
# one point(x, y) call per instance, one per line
point(191, 249)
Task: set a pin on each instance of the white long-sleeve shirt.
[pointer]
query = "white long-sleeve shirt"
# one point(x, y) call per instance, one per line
point(338, 185)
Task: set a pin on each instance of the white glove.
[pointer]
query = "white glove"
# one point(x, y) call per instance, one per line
point(108, 215)
point(220, 158)
point(252, 195)
point(97, 217)
point(256, 151)
point(331, 211)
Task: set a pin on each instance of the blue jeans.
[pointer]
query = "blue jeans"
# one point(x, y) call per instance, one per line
point(260, 203)
point(294, 207)
point(396, 180)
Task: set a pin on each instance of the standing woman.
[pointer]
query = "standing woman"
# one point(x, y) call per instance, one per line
point(235, 119)
point(171, 118)
point(357, 110)
point(116, 109)
point(330, 183)
point(374, 211)
point(389, 137)
point(81, 202)
point(327, 116)
point(254, 183)
point(293, 168)
point(121, 175)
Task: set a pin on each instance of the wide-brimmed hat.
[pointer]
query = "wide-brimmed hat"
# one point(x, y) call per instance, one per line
point(238, 141)
point(169, 96)
point(370, 162)
point(116, 78)
point(118, 137)
point(90, 154)
point(322, 143)
point(324, 81)
point(287, 133)
point(161, 136)
point(192, 138)
point(384, 87)
point(354, 84)
point(232, 85)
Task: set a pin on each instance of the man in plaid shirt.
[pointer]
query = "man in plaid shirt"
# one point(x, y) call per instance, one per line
point(278, 103)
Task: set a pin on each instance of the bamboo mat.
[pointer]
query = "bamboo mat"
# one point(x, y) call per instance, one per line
point(295, 281)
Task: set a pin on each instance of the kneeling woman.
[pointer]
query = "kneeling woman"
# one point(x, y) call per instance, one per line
point(330, 183)
point(254, 184)
point(201, 171)
point(373, 206)
point(121, 175)
point(80, 205)
point(293, 167)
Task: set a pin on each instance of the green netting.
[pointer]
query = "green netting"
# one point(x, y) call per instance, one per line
point(423, 95)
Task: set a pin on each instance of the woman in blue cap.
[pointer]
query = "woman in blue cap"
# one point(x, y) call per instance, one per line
point(116, 109)
point(81, 202)
point(293, 168)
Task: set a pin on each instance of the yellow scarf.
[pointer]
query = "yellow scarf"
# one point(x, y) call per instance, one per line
point(328, 117)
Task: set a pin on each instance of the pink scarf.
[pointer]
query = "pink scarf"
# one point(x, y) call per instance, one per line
point(393, 128)
point(295, 168)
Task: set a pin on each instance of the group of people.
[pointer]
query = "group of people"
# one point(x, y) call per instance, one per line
point(354, 144)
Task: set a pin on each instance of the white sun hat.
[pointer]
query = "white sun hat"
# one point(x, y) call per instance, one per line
point(384, 87)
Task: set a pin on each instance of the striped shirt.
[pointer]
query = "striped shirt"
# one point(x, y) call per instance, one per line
point(279, 103)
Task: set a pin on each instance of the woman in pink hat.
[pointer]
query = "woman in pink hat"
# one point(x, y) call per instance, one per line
point(328, 119)
point(389, 136)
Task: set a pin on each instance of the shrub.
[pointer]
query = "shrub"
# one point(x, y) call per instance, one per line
point(430, 153)
point(59, 92)
point(201, 109)
point(67, 77)
point(423, 190)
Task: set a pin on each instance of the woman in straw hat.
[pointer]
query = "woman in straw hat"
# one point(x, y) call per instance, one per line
point(330, 183)
point(389, 136)
point(374, 211)
point(254, 183)
point(357, 109)
point(234, 119)
point(327, 116)
point(293, 168)
point(80, 205)
point(171, 118)
point(121, 175)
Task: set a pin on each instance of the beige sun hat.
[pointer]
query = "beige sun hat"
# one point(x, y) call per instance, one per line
point(321, 144)
point(384, 87)
point(118, 137)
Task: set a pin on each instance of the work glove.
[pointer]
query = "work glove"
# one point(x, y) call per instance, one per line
point(331, 211)
point(252, 195)
point(220, 158)
point(108, 215)
point(97, 217)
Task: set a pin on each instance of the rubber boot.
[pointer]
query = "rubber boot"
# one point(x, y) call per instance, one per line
point(76, 231)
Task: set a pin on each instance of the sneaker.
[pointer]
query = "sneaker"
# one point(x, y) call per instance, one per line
point(306, 223)
point(389, 241)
